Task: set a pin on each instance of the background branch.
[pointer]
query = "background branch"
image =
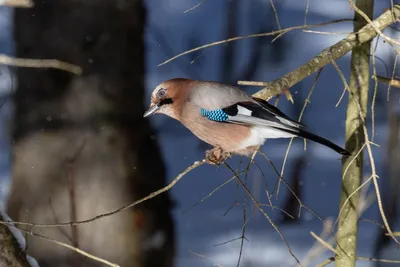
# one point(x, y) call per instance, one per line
point(365, 34)
point(16, 3)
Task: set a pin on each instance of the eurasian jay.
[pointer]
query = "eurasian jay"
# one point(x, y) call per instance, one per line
point(225, 116)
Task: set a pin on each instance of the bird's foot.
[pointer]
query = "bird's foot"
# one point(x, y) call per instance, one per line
point(216, 156)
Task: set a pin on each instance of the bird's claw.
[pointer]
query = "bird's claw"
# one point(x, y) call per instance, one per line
point(216, 156)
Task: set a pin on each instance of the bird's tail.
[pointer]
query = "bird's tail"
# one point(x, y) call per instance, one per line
point(318, 139)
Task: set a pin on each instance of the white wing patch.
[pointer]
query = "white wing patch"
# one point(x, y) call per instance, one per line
point(244, 111)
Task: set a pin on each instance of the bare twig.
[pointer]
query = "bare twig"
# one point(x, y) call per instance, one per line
point(40, 63)
point(251, 36)
point(300, 117)
point(326, 262)
point(378, 260)
point(149, 196)
point(275, 13)
point(322, 59)
point(393, 75)
point(206, 258)
point(325, 244)
point(194, 7)
point(374, 95)
point(257, 204)
point(80, 251)
point(17, 3)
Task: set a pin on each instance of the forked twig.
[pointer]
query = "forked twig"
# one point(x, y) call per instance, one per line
point(264, 213)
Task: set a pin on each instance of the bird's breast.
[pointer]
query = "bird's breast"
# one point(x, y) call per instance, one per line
point(230, 137)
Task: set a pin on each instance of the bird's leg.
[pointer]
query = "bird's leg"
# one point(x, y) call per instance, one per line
point(216, 155)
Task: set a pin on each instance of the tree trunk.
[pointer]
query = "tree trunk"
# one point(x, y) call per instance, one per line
point(355, 139)
point(11, 254)
point(82, 147)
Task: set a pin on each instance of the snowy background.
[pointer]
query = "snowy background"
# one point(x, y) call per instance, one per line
point(200, 230)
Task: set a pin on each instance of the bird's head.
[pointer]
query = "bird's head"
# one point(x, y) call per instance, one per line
point(166, 98)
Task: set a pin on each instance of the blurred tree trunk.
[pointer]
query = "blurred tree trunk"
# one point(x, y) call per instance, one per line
point(81, 145)
point(355, 139)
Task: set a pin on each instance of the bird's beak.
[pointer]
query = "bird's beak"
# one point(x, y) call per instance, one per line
point(151, 110)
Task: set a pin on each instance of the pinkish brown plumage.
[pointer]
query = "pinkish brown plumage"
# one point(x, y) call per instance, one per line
point(225, 116)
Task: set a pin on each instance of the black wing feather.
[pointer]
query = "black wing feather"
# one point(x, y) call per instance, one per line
point(262, 110)
point(274, 110)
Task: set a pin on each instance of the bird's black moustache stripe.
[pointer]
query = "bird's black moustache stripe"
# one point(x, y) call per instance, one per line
point(165, 101)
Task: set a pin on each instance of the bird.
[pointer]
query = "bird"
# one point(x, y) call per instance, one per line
point(226, 117)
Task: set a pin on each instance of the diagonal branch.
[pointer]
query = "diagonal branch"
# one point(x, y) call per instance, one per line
point(111, 213)
point(334, 52)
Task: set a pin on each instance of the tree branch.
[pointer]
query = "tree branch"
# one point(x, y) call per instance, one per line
point(40, 63)
point(333, 52)
point(17, 3)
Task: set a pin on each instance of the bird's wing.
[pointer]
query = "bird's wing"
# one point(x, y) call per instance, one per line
point(276, 112)
point(255, 113)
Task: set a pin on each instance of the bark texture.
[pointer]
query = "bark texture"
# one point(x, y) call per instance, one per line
point(81, 146)
point(11, 254)
point(355, 139)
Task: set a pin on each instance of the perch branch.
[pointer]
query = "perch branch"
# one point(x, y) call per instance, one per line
point(149, 196)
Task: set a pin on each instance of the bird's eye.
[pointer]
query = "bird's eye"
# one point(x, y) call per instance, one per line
point(161, 93)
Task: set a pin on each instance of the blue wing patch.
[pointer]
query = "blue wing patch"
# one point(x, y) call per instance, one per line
point(214, 115)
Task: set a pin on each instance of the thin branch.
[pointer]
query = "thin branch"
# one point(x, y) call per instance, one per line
point(393, 75)
point(194, 7)
point(206, 258)
point(210, 194)
point(378, 260)
point(326, 262)
point(80, 251)
point(40, 63)
point(324, 58)
point(300, 117)
point(275, 13)
point(251, 36)
point(374, 95)
point(325, 244)
point(17, 3)
point(149, 196)
point(264, 213)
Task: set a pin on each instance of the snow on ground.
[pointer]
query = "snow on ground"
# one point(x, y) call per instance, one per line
point(205, 226)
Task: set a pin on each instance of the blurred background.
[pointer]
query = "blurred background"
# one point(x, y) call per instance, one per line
point(80, 146)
